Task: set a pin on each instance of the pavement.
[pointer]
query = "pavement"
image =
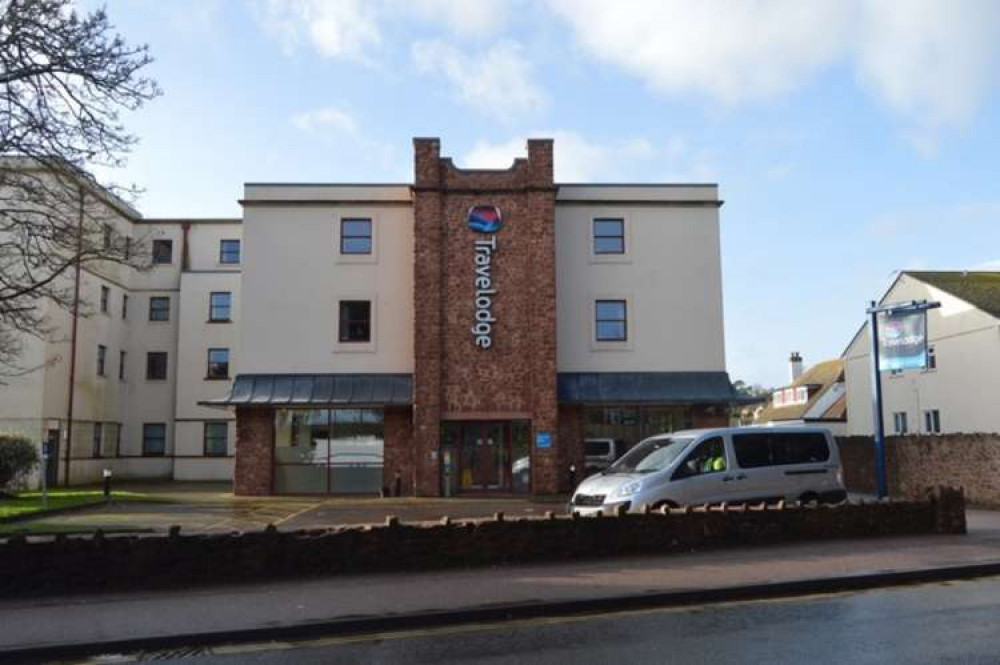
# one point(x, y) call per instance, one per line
point(121, 621)
point(212, 508)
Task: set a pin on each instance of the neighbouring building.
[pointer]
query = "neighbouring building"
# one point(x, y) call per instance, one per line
point(816, 396)
point(959, 390)
point(459, 334)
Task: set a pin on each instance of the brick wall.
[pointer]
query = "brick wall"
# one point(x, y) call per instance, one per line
point(254, 451)
point(123, 562)
point(399, 456)
point(517, 374)
point(970, 461)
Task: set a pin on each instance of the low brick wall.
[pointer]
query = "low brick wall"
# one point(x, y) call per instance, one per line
point(969, 461)
point(108, 563)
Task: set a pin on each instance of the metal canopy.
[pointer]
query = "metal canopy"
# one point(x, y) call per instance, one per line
point(645, 388)
point(318, 390)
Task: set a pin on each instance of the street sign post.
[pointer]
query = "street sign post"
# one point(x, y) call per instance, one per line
point(900, 345)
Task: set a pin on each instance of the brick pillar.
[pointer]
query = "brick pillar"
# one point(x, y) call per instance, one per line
point(398, 450)
point(428, 328)
point(571, 446)
point(254, 451)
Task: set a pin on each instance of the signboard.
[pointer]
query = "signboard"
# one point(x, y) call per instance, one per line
point(485, 219)
point(902, 340)
point(543, 440)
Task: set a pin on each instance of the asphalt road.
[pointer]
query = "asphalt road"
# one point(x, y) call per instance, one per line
point(941, 623)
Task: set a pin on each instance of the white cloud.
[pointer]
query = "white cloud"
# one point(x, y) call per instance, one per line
point(465, 18)
point(335, 28)
point(325, 118)
point(497, 82)
point(931, 61)
point(577, 159)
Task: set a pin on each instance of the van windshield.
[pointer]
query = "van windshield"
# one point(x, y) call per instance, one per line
point(651, 455)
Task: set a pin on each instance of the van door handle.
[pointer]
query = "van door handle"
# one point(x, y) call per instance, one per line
point(726, 479)
point(742, 476)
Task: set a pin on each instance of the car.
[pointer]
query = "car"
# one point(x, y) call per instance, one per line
point(731, 465)
point(599, 454)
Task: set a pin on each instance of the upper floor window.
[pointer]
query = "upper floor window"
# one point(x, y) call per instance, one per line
point(163, 251)
point(106, 232)
point(355, 236)
point(931, 358)
point(124, 305)
point(609, 236)
point(611, 324)
point(105, 296)
point(121, 365)
point(218, 364)
point(102, 358)
point(229, 251)
point(156, 366)
point(220, 306)
point(159, 308)
point(355, 320)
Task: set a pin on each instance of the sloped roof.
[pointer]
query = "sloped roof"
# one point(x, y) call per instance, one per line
point(981, 289)
point(823, 374)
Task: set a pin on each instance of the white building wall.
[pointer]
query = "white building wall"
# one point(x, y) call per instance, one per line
point(670, 277)
point(964, 388)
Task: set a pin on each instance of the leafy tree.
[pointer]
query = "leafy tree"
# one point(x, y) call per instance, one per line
point(65, 79)
point(18, 458)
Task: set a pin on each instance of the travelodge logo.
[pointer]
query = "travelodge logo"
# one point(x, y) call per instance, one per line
point(485, 218)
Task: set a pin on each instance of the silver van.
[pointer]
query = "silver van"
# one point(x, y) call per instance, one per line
point(733, 465)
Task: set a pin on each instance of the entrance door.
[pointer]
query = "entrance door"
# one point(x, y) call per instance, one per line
point(484, 457)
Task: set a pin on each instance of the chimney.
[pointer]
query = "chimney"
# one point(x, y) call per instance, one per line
point(795, 365)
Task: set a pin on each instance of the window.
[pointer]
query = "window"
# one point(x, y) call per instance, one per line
point(163, 252)
point(355, 236)
point(154, 439)
point(708, 457)
point(611, 321)
point(128, 247)
point(355, 320)
point(220, 306)
point(229, 251)
point(124, 305)
point(218, 364)
point(106, 232)
point(596, 448)
point(609, 236)
point(105, 296)
point(159, 308)
point(779, 449)
point(98, 437)
point(932, 421)
point(931, 358)
point(156, 366)
point(752, 450)
point(102, 356)
point(216, 438)
point(899, 422)
point(121, 365)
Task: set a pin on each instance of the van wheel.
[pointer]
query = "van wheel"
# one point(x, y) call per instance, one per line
point(809, 497)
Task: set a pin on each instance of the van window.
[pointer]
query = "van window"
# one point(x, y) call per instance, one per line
point(708, 457)
point(596, 448)
point(780, 448)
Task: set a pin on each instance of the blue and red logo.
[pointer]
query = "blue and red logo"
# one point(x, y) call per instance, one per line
point(485, 218)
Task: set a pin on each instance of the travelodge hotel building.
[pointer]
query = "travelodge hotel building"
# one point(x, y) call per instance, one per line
point(464, 333)
point(460, 334)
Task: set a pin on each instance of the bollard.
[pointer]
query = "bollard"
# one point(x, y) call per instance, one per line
point(397, 484)
point(572, 477)
point(107, 484)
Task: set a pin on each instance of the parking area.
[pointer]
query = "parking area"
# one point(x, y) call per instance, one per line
point(212, 508)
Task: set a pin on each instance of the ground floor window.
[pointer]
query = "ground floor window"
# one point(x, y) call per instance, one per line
point(632, 424)
point(154, 439)
point(329, 451)
point(216, 438)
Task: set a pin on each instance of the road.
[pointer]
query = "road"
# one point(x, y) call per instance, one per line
point(939, 623)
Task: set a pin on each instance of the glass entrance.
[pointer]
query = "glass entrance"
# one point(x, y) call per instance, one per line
point(484, 454)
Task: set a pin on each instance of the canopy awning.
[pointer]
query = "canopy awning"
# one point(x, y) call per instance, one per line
point(318, 390)
point(645, 388)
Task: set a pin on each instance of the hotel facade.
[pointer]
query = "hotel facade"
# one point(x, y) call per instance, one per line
point(460, 334)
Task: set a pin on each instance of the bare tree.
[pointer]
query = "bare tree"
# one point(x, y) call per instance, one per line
point(65, 79)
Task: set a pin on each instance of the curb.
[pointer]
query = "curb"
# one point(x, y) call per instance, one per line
point(51, 512)
point(363, 625)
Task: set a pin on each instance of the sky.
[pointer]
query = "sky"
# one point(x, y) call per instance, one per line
point(850, 138)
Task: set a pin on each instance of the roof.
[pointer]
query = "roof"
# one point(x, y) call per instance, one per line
point(821, 376)
point(645, 388)
point(981, 289)
point(318, 390)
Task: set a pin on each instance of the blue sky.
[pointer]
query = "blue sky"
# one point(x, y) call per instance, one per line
point(850, 138)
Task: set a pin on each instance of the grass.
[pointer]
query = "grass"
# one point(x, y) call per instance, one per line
point(35, 529)
point(30, 503)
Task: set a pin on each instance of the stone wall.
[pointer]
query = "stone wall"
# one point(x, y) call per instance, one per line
point(122, 562)
point(970, 461)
